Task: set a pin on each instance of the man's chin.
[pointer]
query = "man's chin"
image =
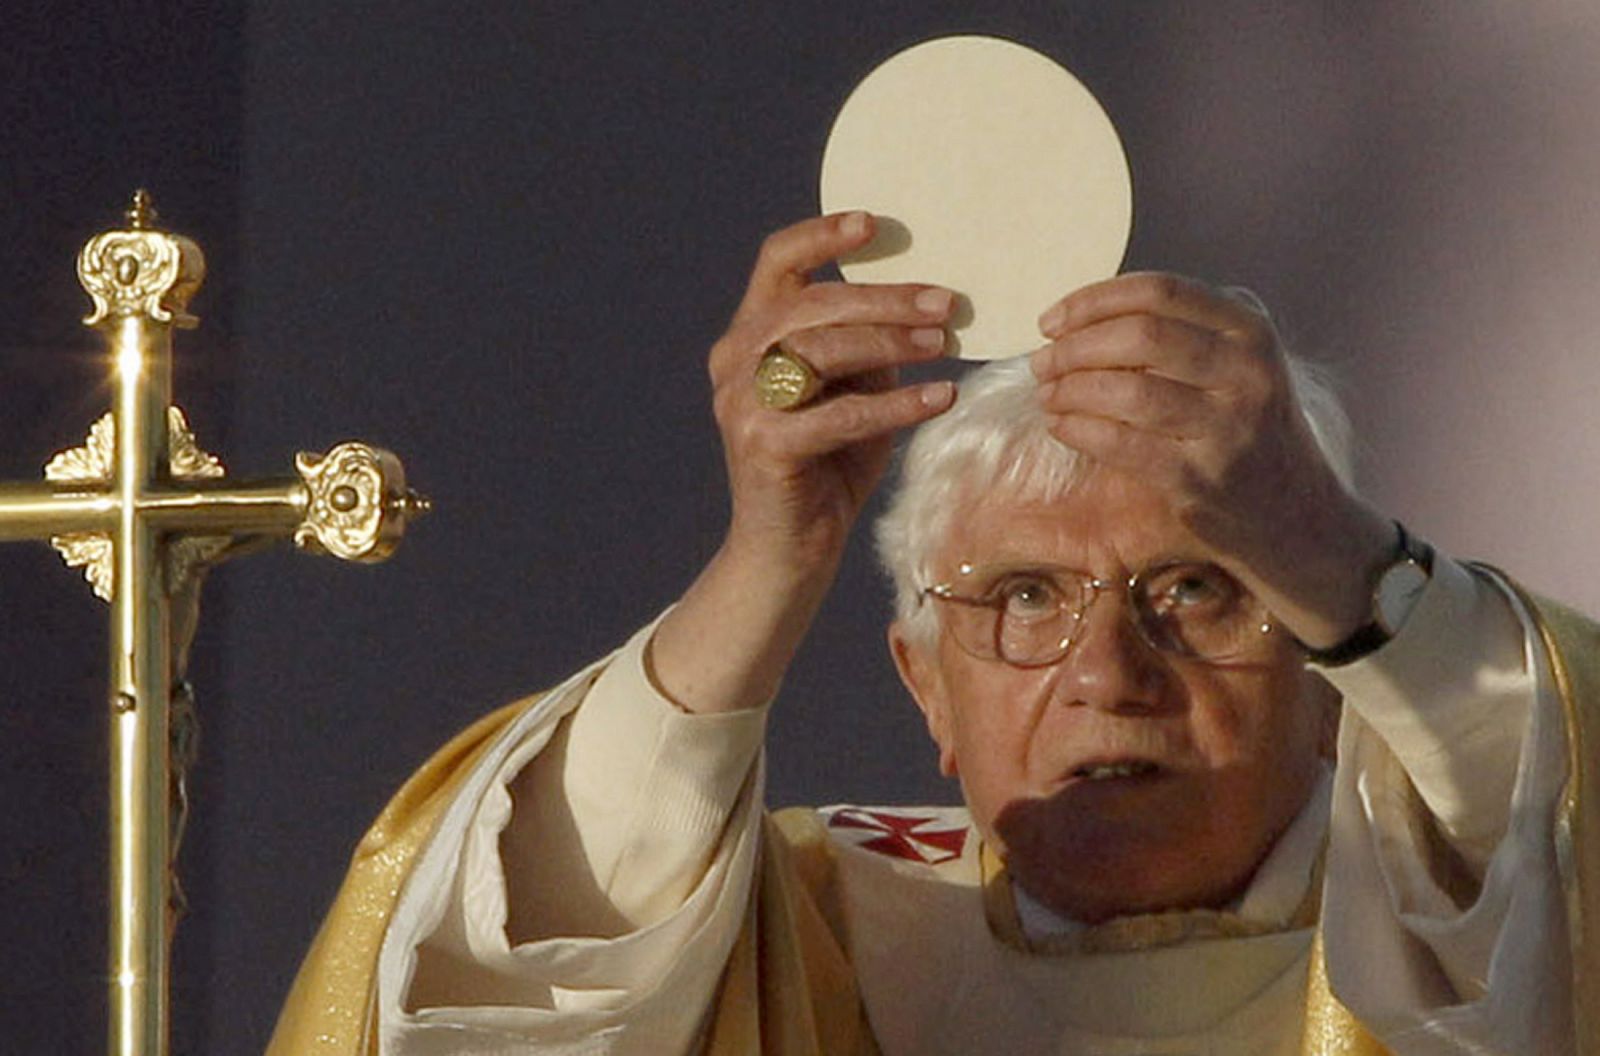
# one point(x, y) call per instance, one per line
point(1090, 853)
point(1124, 818)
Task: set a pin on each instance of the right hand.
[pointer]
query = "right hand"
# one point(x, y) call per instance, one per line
point(799, 478)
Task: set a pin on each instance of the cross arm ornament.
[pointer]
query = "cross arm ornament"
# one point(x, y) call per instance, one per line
point(351, 502)
point(145, 511)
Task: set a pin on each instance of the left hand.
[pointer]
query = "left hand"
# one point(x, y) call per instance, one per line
point(1174, 382)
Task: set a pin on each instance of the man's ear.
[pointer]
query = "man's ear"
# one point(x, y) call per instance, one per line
point(918, 665)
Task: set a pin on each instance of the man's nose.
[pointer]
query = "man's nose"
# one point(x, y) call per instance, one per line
point(1111, 666)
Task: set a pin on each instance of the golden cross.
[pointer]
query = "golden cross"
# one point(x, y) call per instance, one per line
point(145, 511)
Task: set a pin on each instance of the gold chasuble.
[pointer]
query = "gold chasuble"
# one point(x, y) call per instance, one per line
point(789, 988)
point(330, 1006)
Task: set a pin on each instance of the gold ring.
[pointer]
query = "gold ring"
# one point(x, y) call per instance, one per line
point(784, 381)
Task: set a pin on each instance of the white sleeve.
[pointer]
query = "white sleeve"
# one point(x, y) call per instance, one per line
point(1451, 753)
point(659, 828)
point(1450, 696)
point(614, 823)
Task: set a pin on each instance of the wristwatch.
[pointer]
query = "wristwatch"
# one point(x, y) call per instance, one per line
point(1393, 597)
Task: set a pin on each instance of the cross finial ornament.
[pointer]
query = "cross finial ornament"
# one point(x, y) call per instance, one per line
point(141, 215)
point(145, 511)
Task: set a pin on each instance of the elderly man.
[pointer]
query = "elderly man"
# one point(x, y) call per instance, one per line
point(1247, 768)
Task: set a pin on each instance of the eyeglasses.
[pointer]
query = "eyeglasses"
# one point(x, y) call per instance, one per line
point(1030, 615)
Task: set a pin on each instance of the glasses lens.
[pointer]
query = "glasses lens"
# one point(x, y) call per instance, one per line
point(1031, 612)
point(1031, 616)
point(1198, 610)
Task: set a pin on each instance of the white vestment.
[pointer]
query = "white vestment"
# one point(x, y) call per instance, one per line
point(637, 829)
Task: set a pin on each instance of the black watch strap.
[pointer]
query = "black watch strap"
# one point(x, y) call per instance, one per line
point(1375, 633)
point(1363, 641)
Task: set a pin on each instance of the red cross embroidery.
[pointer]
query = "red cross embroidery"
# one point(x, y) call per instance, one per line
point(897, 835)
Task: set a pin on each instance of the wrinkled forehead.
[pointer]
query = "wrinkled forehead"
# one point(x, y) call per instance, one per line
point(1102, 521)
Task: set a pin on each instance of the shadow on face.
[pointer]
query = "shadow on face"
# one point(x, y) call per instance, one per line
point(1119, 778)
point(1112, 846)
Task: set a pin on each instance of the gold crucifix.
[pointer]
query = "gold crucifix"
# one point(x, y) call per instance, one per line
point(145, 512)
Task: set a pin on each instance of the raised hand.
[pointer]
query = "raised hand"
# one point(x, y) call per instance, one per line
point(1187, 388)
point(798, 478)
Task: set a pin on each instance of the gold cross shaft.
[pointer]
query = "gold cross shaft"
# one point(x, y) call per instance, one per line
point(146, 512)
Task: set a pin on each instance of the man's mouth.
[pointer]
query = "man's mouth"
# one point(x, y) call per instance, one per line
point(1124, 768)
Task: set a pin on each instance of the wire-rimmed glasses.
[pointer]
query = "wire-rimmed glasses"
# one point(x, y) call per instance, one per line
point(1030, 615)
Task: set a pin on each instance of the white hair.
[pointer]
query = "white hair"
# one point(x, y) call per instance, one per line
point(995, 440)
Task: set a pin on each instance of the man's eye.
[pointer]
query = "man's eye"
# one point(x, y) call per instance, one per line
point(1192, 587)
point(1028, 596)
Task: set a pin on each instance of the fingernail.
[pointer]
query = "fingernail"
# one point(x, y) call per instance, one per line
point(1052, 318)
point(934, 301)
point(939, 394)
point(854, 225)
point(929, 337)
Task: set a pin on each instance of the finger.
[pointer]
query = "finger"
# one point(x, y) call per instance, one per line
point(827, 305)
point(1150, 456)
point(1143, 400)
point(1168, 346)
point(821, 428)
point(1156, 293)
point(797, 250)
point(881, 380)
point(837, 352)
point(844, 304)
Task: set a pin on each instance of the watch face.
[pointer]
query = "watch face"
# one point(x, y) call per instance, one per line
point(1397, 594)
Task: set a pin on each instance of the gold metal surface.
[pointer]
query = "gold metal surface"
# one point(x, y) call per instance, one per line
point(33, 511)
point(91, 552)
point(359, 503)
point(90, 464)
point(94, 463)
point(145, 511)
point(184, 456)
point(785, 381)
point(140, 273)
